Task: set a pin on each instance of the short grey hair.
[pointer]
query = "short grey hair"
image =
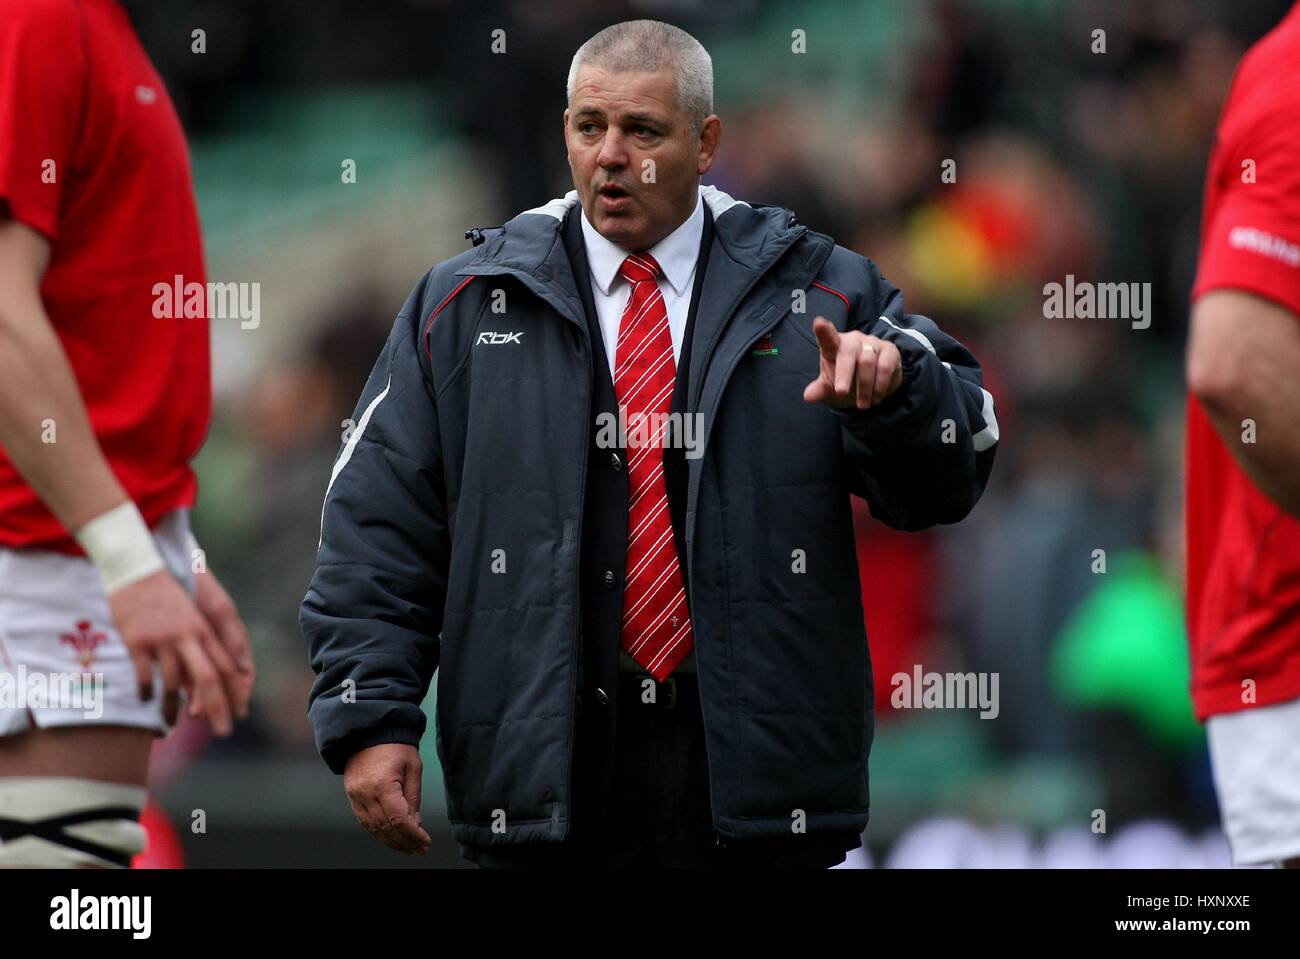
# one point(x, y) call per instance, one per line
point(637, 46)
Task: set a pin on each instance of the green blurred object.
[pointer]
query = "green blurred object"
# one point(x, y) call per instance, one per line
point(386, 130)
point(434, 794)
point(1126, 648)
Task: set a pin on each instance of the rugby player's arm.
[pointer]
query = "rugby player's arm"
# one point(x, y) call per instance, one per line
point(73, 478)
point(39, 397)
point(1243, 363)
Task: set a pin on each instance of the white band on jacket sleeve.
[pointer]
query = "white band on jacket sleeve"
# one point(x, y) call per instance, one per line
point(121, 547)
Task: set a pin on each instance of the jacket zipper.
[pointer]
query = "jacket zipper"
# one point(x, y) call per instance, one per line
point(719, 842)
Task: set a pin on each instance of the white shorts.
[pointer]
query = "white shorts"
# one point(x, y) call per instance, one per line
point(1256, 758)
point(62, 662)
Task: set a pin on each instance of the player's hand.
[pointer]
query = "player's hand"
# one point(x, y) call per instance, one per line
point(159, 624)
point(383, 785)
point(856, 370)
point(223, 618)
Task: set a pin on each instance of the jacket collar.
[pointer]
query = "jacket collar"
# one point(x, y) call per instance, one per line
point(527, 243)
point(748, 240)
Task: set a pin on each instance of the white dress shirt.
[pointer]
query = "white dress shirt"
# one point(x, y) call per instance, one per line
point(676, 255)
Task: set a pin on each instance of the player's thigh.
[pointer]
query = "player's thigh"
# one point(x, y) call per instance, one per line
point(72, 796)
point(115, 754)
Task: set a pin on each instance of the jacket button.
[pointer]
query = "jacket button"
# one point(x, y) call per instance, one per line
point(609, 579)
point(601, 697)
point(615, 462)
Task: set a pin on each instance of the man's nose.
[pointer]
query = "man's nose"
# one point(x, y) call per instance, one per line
point(613, 153)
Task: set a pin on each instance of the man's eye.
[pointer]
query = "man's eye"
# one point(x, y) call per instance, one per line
point(584, 128)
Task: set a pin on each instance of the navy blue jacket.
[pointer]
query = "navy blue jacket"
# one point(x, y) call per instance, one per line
point(452, 523)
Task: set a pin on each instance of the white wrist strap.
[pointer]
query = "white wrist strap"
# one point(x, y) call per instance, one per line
point(121, 547)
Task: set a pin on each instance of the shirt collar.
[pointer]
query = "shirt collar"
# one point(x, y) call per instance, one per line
point(676, 253)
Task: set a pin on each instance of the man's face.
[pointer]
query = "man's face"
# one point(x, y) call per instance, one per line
point(616, 123)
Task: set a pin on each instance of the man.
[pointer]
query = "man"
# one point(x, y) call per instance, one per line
point(1243, 456)
point(102, 405)
point(649, 639)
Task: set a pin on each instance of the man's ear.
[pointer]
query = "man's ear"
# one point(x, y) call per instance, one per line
point(710, 135)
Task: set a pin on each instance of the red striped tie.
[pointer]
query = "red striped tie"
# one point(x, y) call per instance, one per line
point(656, 624)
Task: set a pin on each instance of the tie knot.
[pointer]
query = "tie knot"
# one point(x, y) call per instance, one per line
point(640, 267)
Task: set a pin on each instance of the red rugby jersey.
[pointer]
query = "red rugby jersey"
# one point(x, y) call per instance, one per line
point(92, 155)
point(1243, 551)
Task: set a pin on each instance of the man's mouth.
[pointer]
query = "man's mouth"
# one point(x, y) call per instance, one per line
point(612, 192)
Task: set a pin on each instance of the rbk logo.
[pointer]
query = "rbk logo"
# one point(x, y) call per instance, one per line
point(495, 338)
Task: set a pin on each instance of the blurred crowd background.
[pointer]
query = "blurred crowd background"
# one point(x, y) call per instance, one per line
point(1068, 162)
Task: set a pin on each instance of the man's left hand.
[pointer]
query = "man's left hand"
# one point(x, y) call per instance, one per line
point(856, 370)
